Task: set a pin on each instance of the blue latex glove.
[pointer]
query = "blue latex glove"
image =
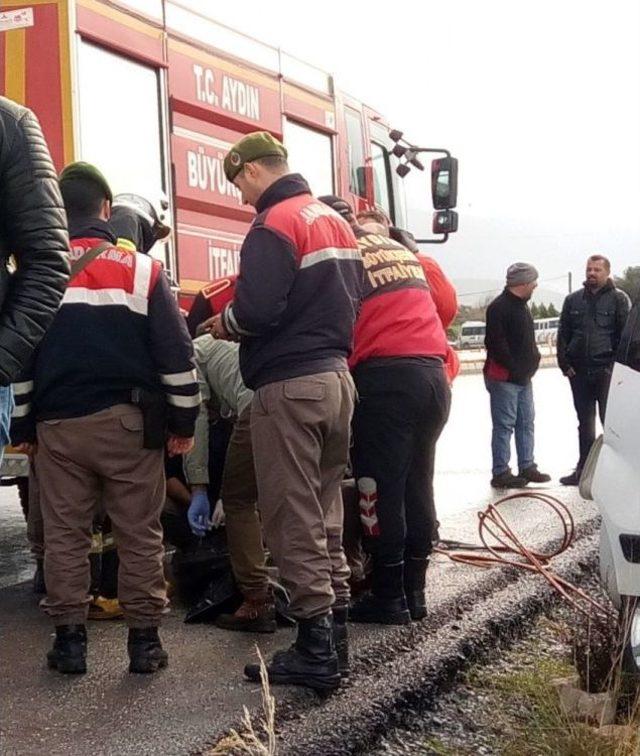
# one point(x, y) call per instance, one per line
point(199, 512)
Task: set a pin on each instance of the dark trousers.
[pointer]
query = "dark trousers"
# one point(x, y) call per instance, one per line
point(401, 411)
point(590, 388)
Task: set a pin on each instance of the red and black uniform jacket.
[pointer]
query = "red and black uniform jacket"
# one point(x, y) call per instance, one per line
point(210, 301)
point(118, 328)
point(298, 290)
point(398, 317)
point(446, 302)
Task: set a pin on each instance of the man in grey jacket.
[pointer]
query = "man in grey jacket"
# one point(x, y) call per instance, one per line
point(33, 231)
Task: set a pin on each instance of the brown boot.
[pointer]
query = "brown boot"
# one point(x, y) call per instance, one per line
point(256, 614)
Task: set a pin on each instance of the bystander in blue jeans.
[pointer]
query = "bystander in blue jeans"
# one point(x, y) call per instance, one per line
point(6, 408)
point(511, 410)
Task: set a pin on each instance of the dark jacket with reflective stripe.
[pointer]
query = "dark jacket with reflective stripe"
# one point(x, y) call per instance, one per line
point(299, 288)
point(33, 228)
point(118, 329)
point(591, 325)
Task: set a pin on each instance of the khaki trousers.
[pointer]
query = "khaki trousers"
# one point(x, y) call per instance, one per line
point(239, 494)
point(300, 430)
point(82, 462)
point(35, 525)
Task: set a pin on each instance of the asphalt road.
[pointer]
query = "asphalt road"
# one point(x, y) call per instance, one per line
point(202, 693)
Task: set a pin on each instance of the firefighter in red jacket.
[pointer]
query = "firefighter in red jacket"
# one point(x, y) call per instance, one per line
point(404, 398)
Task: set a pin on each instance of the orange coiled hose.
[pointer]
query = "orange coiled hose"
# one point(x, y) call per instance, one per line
point(507, 549)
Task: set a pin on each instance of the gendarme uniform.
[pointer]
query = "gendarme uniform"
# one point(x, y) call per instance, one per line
point(294, 309)
point(118, 333)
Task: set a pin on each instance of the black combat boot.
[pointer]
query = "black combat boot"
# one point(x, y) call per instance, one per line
point(415, 571)
point(69, 652)
point(146, 654)
point(386, 604)
point(311, 661)
point(39, 585)
point(340, 638)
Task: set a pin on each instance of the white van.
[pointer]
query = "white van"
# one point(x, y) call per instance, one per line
point(471, 334)
point(546, 330)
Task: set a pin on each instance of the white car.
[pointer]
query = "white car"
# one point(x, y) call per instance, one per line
point(611, 477)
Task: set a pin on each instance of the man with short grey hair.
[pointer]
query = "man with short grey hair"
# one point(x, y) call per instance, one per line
point(512, 360)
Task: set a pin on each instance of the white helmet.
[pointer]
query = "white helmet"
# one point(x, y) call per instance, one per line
point(153, 212)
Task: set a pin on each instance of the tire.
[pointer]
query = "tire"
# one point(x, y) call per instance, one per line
point(630, 616)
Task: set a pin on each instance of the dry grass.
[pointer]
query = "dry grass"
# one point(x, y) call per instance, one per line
point(536, 724)
point(248, 741)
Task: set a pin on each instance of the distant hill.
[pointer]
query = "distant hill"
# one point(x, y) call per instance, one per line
point(474, 292)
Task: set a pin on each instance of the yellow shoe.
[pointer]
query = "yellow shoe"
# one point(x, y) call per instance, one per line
point(102, 608)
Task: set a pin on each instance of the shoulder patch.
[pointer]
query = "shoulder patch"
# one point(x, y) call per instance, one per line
point(216, 287)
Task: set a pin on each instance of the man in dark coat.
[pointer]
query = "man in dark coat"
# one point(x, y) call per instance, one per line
point(512, 360)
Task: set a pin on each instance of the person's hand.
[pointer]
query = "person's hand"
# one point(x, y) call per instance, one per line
point(177, 445)
point(198, 513)
point(570, 373)
point(205, 326)
point(217, 519)
point(26, 448)
point(218, 330)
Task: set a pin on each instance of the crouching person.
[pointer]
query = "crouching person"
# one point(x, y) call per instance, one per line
point(220, 380)
point(117, 347)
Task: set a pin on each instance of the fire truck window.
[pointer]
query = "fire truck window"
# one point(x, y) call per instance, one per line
point(121, 124)
point(355, 146)
point(120, 120)
point(381, 178)
point(311, 154)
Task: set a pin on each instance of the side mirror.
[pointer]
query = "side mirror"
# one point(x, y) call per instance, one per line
point(444, 184)
point(444, 222)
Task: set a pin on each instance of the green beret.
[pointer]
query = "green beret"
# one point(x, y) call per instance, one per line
point(259, 144)
point(87, 172)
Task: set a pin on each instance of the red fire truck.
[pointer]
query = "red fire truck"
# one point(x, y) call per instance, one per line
point(154, 94)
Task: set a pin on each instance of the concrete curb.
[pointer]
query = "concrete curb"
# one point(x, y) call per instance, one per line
point(401, 670)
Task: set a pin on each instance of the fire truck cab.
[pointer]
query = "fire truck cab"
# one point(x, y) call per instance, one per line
point(154, 94)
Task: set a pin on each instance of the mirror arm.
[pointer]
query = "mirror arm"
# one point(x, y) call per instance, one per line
point(430, 149)
point(433, 241)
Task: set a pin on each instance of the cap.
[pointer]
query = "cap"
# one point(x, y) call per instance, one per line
point(521, 273)
point(86, 172)
point(258, 144)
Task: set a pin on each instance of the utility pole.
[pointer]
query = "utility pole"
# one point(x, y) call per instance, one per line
point(569, 278)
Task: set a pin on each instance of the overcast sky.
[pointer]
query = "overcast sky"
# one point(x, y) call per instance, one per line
point(540, 101)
